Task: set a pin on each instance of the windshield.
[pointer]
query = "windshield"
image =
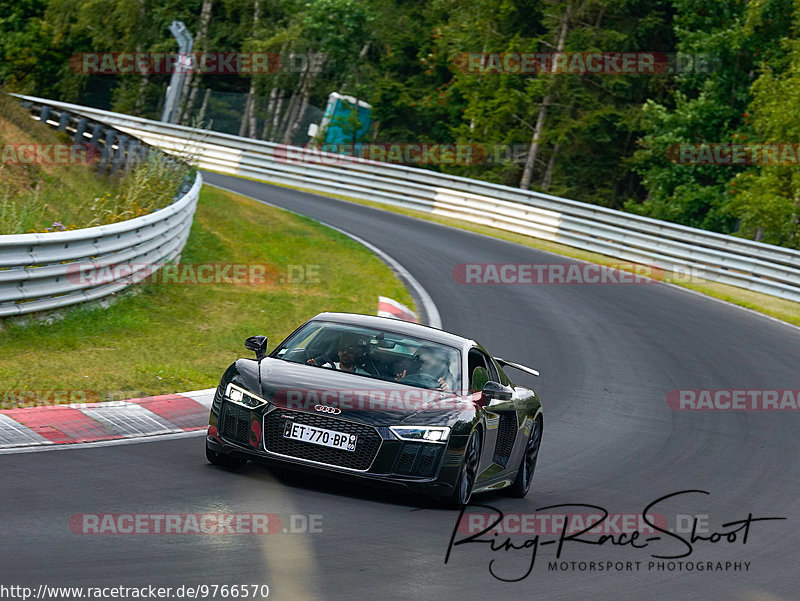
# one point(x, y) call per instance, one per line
point(374, 353)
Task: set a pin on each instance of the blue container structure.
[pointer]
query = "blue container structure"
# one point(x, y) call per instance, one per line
point(338, 123)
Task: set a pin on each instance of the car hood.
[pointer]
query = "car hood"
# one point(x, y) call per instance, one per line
point(299, 387)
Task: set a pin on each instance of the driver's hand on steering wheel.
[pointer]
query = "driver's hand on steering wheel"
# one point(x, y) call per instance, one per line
point(443, 385)
point(321, 362)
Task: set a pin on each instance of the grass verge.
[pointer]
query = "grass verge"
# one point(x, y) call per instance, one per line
point(172, 338)
point(782, 309)
point(42, 191)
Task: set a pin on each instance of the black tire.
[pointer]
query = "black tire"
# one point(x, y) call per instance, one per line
point(222, 460)
point(527, 467)
point(468, 473)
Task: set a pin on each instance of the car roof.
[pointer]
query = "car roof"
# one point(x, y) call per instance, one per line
point(396, 325)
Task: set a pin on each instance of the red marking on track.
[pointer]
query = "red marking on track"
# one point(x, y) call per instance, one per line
point(181, 411)
point(397, 312)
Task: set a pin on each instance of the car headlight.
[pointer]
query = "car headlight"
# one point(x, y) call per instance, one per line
point(421, 433)
point(245, 398)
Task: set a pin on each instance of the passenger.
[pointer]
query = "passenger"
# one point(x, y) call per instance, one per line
point(427, 363)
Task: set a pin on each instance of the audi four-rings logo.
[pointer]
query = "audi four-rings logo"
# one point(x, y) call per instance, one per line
point(327, 409)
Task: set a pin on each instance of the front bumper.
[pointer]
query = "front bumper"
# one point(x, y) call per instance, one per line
point(380, 458)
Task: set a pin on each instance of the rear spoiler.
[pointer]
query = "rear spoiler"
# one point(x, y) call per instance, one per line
point(528, 370)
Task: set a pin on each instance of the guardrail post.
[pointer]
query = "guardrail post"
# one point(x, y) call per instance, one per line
point(111, 137)
point(96, 131)
point(131, 156)
point(104, 142)
point(120, 154)
point(44, 114)
point(143, 154)
point(63, 120)
point(78, 138)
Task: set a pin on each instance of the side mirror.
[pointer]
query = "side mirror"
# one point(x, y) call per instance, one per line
point(257, 344)
point(494, 391)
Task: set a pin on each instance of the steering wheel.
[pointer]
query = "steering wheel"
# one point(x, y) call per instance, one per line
point(324, 359)
point(419, 379)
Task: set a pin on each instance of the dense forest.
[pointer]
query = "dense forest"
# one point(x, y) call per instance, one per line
point(604, 137)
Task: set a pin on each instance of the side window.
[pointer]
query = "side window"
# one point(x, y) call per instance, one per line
point(486, 369)
point(476, 370)
point(493, 375)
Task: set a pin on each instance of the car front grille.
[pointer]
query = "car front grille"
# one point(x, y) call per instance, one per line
point(367, 444)
point(236, 422)
point(418, 459)
point(506, 434)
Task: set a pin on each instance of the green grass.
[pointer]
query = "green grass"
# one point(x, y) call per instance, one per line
point(782, 309)
point(40, 197)
point(172, 338)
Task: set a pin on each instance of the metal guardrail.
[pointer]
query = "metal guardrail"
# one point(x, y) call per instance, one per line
point(716, 257)
point(108, 148)
point(41, 271)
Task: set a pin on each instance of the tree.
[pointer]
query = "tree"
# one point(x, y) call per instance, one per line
point(767, 198)
point(707, 107)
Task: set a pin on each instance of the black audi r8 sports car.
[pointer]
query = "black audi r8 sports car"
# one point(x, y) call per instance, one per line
point(381, 400)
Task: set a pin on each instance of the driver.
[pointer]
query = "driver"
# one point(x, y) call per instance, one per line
point(350, 351)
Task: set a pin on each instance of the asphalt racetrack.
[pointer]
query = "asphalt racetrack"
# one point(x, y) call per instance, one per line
point(609, 356)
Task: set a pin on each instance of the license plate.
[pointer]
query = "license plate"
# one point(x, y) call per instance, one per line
point(320, 436)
